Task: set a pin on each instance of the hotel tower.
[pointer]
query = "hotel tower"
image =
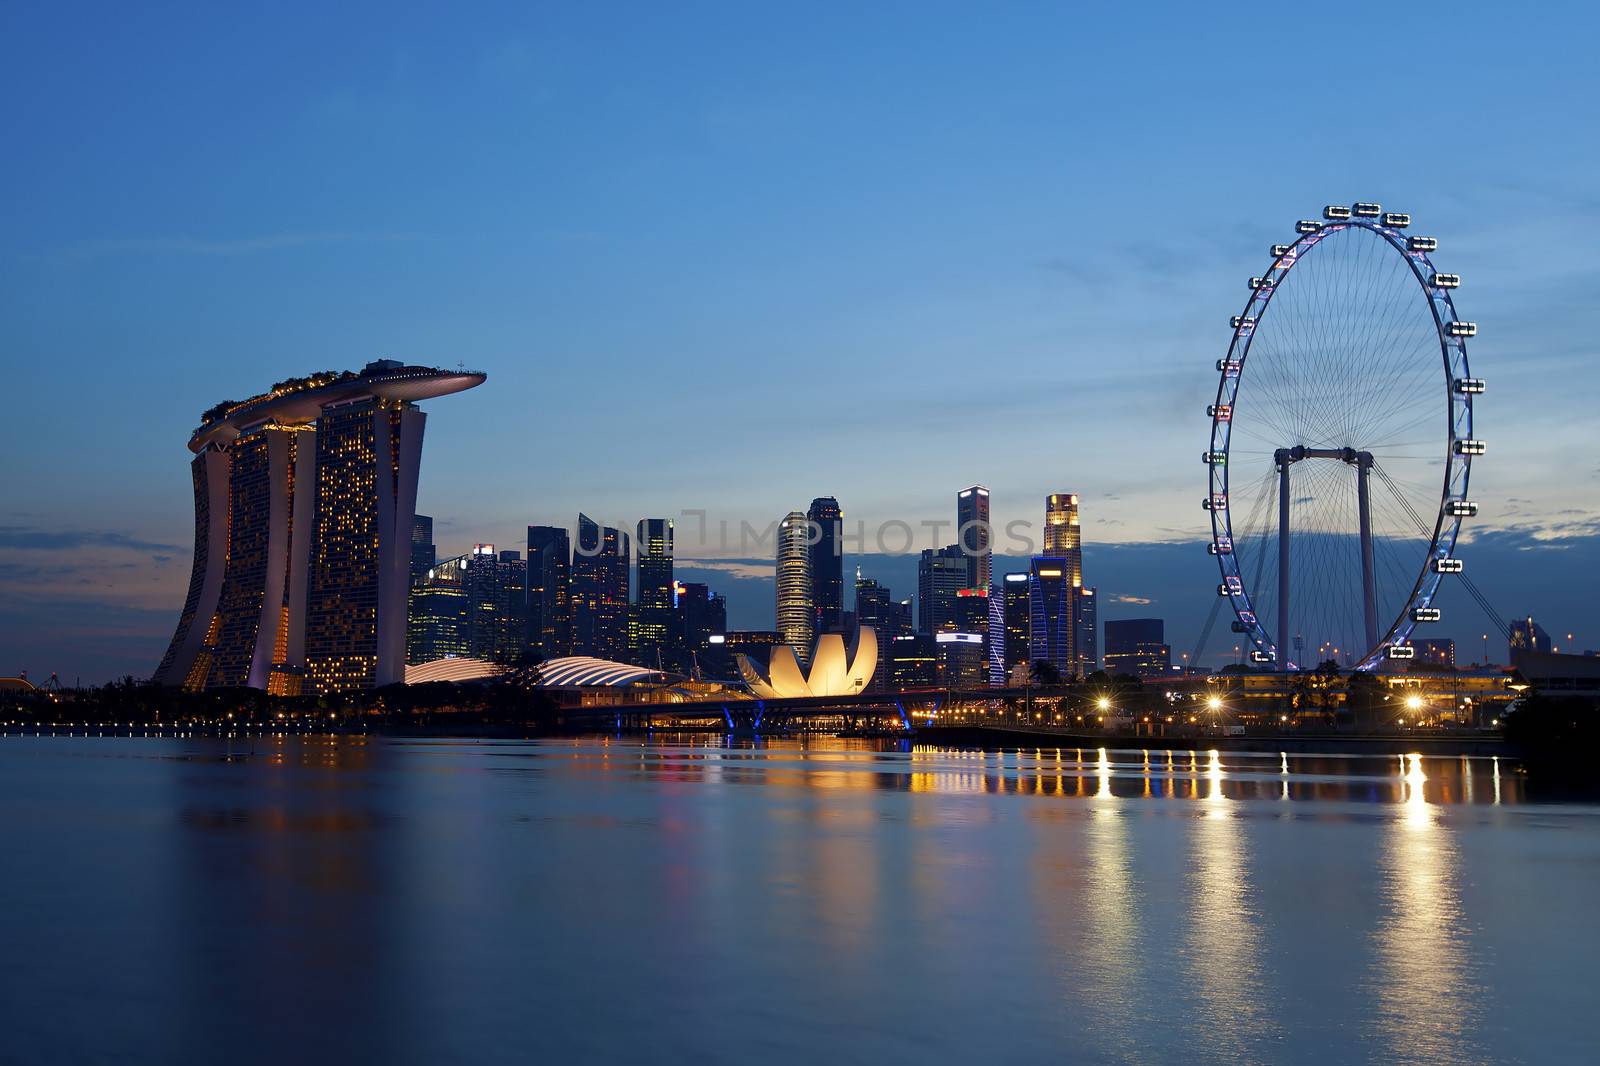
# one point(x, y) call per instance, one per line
point(304, 503)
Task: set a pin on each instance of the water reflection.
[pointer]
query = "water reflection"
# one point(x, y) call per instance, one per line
point(859, 764)
point(1424, 995)
point(1223, 950)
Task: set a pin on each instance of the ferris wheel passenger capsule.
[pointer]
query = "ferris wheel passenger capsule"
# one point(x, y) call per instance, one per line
point(1367, 210)
point(1461, 329)
point(1280, 250)
point(1259, 656)
point(1461, 509)
point(1470, 386)
point(1400, 651)
point(1422, 244)
point(1446, 281)
point(1222, 412)
point(1470, 447)
point(1426, 614)
point(1257, 284)
point(1215, 458)
point(1397, 220)
point(1241, 321)
point(1230, 367)
point(1307, 225)
point(1448, 566)
point(1335, 213)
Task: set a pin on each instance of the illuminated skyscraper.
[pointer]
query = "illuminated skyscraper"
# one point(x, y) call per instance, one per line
point(549, 584)
point(1014, 590)
point(1086, 616)
point(1062, 537)
point(974, 535)
point(436, 626)
point(875, 609)
point(656, 645)
point(1063, 540)
point(827, 563)
point(1052, 636)
point(701, 628)
point(600, 591)
point(796, 613)
point(940, 576)
point(305, 506)
point(422, 550)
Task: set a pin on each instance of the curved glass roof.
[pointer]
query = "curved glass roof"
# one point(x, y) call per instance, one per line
point(584, 671)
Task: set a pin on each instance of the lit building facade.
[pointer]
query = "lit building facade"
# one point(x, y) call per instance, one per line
point(1138, 646)
point(600, 591)
point(1435, 652)
point(827, 564)
point(437, 621)
point(1052, 634)
point(973, 534)
point(1015, 610)
point(549, 590)
point(1527, 636)
point(1086, 619)
point(796, 613)
point(875, 607)
point(655, 635)
point(941, 575)
point(305, 508)
point(423, 553)
point(1063, 538)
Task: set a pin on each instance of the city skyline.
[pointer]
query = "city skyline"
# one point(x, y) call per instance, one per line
point(1043, 256)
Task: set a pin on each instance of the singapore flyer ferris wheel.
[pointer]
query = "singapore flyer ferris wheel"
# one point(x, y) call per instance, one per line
point(1341, 444)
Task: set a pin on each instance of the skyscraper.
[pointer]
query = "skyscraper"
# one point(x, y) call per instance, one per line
point(422, 551)
point(940, 575)
point(702, 616)
point(305, 500)
point(1014, 590)
point(600, 591)
point(827, 563)
point(1062, 537)
point(1051, 632)
point(875, 610)
point(549, 583)
point(657, 628)
point(1063, 540)
point(973, 535)
point(1086, 615)
point(796, 613)
point(436, 626)
point(1138, 646)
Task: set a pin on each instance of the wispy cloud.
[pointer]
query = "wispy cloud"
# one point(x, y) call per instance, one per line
point(740, 570)
point(31, 538)
point(1125, 598)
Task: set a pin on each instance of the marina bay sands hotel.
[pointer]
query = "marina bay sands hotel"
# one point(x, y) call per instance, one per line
point(304, 499)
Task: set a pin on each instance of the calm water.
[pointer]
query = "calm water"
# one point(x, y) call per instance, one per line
point(312, 899)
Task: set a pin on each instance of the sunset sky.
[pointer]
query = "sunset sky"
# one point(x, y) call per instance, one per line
point(732, 257)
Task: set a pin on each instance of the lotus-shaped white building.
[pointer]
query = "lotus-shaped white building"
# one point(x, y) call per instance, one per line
point(833, 672)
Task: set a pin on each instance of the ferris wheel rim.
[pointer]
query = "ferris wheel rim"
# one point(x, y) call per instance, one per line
point(1452, 348)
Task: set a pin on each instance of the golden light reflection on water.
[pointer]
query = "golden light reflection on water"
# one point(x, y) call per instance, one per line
point(1223, 952)
point(1424, 993)
point(858, 764)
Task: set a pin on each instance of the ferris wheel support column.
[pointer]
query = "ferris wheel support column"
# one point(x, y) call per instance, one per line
point(1369, 579)
point(1284, 457)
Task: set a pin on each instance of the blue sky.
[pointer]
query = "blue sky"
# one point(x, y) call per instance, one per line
point(731, 257)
